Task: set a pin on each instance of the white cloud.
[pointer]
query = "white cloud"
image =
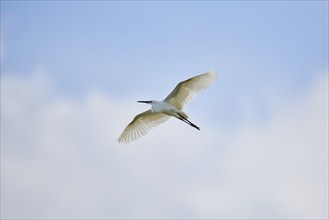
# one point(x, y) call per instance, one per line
point(60, 159)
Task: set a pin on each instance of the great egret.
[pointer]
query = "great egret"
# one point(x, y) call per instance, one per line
point(172, 105)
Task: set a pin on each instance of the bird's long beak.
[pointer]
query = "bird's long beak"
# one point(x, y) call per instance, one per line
point(147, 102)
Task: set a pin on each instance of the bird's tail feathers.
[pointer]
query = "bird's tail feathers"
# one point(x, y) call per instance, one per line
point(183, 115)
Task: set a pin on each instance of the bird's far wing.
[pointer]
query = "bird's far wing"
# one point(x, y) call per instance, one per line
point(186, 90)
point(140, 125)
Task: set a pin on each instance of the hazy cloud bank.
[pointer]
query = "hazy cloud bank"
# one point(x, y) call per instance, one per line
point(60, 159)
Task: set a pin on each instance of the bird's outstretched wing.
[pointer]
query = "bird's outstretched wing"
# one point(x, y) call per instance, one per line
point(140, 125)
point(186, 90)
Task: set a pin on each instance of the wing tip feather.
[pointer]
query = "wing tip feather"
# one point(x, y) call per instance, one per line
point(213, 73)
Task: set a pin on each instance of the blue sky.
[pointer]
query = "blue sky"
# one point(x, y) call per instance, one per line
point(83, 64)
point(121, 39)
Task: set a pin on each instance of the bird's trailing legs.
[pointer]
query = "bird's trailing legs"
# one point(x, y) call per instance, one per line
point(181, 117)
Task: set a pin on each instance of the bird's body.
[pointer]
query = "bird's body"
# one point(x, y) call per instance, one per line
point(162, 106)
point(172, 105)
point(167, 108)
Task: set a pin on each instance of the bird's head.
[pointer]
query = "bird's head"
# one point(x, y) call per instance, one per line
point(147, 102)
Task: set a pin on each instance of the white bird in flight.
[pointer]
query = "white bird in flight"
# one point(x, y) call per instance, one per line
point(172, 105)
